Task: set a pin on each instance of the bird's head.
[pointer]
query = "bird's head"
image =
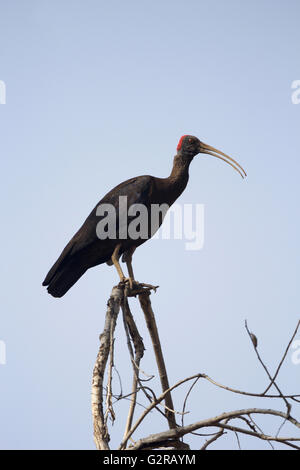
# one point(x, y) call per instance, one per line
point(190, 146)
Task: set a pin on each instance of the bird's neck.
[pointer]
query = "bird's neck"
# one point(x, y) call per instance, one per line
point(179, 176)
point(180, 170)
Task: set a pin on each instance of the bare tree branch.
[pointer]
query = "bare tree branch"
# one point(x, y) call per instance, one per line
point(216, 422)
point(283, 358)
point(101, 435)
point(133, 333)
point(172, 438)
point(145, 303)
point(288, 405)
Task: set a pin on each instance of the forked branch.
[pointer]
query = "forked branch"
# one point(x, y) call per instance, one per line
point(214, 428)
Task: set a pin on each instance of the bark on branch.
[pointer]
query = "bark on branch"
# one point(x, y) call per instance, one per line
point(101, 434)
point(145, 302)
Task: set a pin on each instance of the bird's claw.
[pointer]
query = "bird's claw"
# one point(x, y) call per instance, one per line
point(134, 287)
point(149, 286)
point(132, 283)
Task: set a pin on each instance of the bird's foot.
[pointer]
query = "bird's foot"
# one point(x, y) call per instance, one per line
point(134, 288)
point(133, 284)
point(129, 282)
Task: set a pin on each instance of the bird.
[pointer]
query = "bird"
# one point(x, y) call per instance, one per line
point(86, 249)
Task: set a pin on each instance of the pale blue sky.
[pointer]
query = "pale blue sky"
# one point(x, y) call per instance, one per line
point(101, 91)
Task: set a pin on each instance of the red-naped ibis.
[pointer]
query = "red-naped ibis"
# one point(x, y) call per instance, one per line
point(86, 249)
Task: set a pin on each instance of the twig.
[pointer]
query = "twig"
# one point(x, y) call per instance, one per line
point(283, 359)
point(288, 405)
point(212, 439)
point(109, 394)
point(186, 398)
point(153, 405)
point(240, 392)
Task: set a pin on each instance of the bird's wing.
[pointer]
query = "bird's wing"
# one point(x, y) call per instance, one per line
point(136, 190)
point(85, 249)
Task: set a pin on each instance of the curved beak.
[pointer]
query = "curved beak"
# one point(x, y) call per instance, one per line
point(204, 148)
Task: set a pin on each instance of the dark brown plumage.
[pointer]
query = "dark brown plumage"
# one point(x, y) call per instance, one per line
point(86, 250)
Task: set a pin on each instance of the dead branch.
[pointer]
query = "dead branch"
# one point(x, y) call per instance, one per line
point(171, 438)
point(153, 405)
point(132, 333)
point(272, 380)
point(283, 358)
point(172, 434)
point(101, 434)
point(145, 303)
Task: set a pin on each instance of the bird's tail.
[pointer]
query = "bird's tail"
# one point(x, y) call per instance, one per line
point(64, 273)
point(64, 279)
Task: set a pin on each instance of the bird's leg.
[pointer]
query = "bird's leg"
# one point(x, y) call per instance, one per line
point(115, 259)
point(127, 257)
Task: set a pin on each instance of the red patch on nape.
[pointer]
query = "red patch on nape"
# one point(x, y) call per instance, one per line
point(180, 142)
